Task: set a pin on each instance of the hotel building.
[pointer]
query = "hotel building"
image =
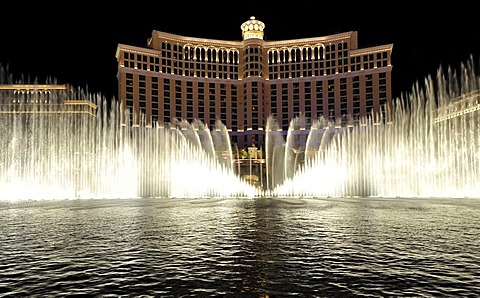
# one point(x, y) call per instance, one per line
point(243, 83)
point(47, 99)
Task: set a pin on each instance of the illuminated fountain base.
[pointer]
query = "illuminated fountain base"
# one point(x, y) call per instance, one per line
point(430, 148)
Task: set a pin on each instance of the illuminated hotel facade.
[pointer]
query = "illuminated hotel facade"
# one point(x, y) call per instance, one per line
point(243, 83)
point(47, 99)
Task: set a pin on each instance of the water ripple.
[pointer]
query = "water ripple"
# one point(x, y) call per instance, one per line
point(318, 248)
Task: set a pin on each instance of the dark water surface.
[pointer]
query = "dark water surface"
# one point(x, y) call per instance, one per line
point(241, 248)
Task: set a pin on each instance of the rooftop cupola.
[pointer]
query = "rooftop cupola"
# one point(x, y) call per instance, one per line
point(252, 29)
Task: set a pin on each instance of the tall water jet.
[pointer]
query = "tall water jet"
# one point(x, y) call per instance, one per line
point(79, 148)
point(274, 154)
point(52, 149)
point(429, 149)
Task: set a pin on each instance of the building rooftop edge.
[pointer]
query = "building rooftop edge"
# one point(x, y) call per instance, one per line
point(346, 34)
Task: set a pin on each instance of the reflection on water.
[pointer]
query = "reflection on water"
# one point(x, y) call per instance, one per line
point(240, 247)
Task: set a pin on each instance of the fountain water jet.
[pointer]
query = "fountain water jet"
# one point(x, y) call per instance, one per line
point(429, 149)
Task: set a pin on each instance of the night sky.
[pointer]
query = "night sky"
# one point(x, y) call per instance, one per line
point(76, 44)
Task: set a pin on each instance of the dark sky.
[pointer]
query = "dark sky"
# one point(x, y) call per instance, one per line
point(76, 44)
